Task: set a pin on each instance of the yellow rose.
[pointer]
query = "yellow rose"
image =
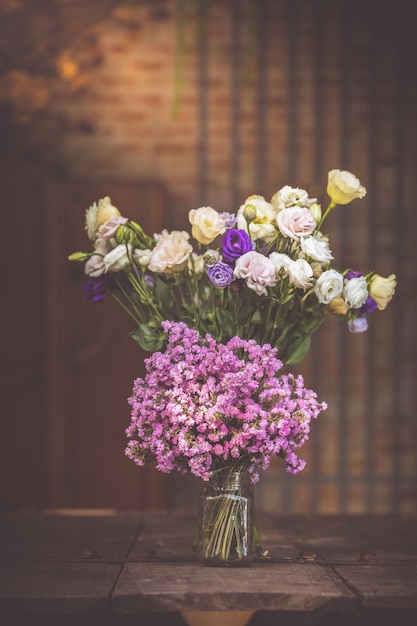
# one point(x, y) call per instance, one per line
point(343, 187)
point(206, 223)
point(338, 306)
point(382, 289)
point(98, 214)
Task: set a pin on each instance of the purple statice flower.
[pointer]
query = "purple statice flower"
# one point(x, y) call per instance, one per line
point(220, 274)
point(202, 406)
point(358, 325)
point(235, 243)
point(97, 287)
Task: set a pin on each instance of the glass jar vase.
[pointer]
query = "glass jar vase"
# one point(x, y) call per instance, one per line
point(226, 519)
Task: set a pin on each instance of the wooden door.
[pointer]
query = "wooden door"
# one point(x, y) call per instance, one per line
point(73, 424)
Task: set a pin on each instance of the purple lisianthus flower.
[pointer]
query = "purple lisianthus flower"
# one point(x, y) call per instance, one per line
point(368, 307)
point(353, 274)
point(235, 243)
point(97, 287)
point(220, 274)
point(358, 325)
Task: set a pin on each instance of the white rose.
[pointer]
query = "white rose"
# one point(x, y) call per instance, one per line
point(95, 265)
point(257, 270)
point(171, 253)
point(329, 285)
point(142, 257)
point(295, 222)
point(300, 273)
point(343, 187)
point(288, 197)
point(258, 218)
point(118, 258)
point(206, 223)
point(317, 248)
point(355, 292)
point(280, 262)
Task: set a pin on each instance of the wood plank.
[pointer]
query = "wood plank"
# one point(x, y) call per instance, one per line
point(165, 537)
point(392, 586)
point(190, 587)
point(67, 537)
point(59, 588)
point(340, 538)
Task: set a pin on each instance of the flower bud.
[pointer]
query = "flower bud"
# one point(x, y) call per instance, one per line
point(315, 210)
point(124, 235)
point(79, 256)
point(249, 212)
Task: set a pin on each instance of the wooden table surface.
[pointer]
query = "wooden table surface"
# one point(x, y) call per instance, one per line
point(113, 563)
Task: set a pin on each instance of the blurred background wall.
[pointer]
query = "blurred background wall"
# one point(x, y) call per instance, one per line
point(168, 105)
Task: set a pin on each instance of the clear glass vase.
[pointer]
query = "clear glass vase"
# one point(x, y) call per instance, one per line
point(226, 520)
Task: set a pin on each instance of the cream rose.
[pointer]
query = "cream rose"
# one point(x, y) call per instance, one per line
point(343, 187)
point(317, 248)
point(288, 197)
point(355, 292)
point(206, 223)
point(300, 273)
point(257, 270)
point(382, 289)
point(98, 214)
point(296, 222)
point(258, 218)
point(329, 285)
point(171, 253)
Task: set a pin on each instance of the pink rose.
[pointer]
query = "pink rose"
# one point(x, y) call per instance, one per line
point(257, 270)
point(171, 253)
point(109, 228)
point(296, 222)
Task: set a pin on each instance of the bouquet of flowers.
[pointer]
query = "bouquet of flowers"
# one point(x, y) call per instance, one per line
point(216, 315)
point(265, 272)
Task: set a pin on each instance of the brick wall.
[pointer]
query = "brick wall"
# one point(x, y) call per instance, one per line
point(273, 93)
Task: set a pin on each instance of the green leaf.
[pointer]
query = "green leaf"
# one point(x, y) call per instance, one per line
point(256, 317)
point(163, 293)
point(225, 320)
point(150, 339)
point(297, 350)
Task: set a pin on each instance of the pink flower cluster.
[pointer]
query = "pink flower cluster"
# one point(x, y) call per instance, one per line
point(203, 405)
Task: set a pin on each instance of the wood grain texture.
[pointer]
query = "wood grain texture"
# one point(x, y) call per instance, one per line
point(143, 564)
point(391, 586)
point(59, 588)
point(181, 587)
